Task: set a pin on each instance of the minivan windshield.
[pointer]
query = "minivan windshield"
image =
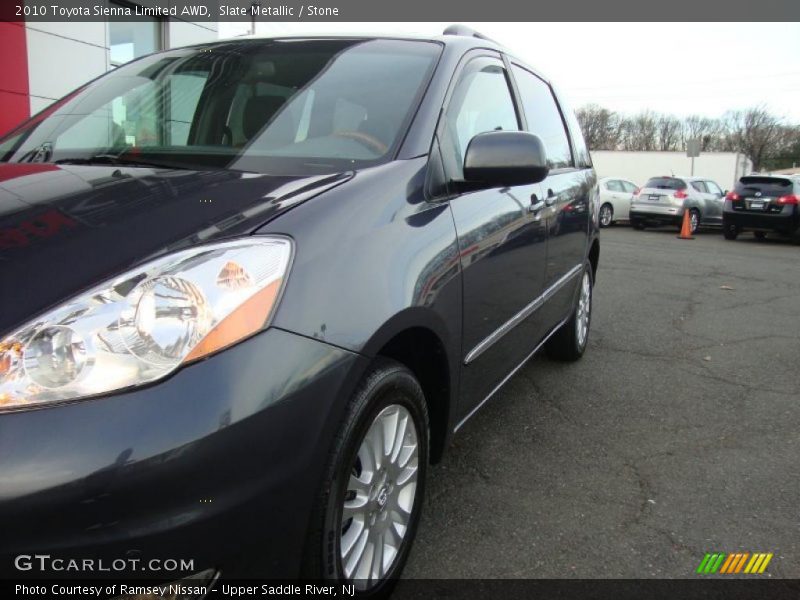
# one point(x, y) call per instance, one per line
point(270, 106)
point(666, 183)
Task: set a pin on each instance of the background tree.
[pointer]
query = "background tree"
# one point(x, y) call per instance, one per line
point(670, 133)
point(640, 132)
point(766, 139)
point(700, 128)
point(601, 127)
point(753, 132)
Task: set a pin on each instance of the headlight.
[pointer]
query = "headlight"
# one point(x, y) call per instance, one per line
point(146, 323)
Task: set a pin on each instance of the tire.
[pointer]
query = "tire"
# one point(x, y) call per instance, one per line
point(731, 232)
point(759, 235)
point(694, 220)
point(388, 394)
point(568, 343)
point(606, 217)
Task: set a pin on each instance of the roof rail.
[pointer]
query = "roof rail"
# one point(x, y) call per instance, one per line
point(466, 31)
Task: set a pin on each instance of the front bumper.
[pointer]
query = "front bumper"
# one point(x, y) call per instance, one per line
point(220, 461)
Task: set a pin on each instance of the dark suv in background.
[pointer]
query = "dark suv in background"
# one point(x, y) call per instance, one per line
point(251, 288)
point(763, 204)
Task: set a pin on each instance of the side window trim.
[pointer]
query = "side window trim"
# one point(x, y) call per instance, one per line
point(516, 96)
point(567, 131)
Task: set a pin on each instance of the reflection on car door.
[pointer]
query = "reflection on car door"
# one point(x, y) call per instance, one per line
point(501, 240)
point(567, 192)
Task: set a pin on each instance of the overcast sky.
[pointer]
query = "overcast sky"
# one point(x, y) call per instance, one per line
point(679, 68)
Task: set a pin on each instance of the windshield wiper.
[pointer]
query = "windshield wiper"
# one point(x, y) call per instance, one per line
point(113, 159)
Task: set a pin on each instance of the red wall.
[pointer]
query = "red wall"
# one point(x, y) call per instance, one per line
point(14, 101)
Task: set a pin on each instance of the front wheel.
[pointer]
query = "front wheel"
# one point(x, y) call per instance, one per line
point(369, 505)
point(606, 215)
point(569, 342)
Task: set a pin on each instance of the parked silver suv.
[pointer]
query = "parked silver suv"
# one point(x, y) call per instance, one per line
point(663, 200)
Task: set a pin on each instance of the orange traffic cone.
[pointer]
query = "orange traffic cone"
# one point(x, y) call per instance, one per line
point(686, 227)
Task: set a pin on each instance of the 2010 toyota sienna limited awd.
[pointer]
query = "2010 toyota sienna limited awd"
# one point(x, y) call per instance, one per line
point(251, 288)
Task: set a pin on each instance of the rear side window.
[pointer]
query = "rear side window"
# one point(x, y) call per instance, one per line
point(666, 183)
point(700, 186)
point(614, 185)
point(713, 188)
point(544, 117)
point(768, 186)
point(628, 186)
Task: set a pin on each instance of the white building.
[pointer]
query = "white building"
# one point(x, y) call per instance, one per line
point(723, 167)
point(44, 61)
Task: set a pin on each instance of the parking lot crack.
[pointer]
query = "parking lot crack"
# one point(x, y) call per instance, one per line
point(645, 493)
point(706, 373)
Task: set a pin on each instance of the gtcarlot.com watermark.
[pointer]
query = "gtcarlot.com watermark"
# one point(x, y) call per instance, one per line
point(45, 563)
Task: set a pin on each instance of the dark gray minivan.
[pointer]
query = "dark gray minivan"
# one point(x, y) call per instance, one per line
point(251, 288)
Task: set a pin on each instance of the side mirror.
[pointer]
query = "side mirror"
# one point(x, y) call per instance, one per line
point(503, 158)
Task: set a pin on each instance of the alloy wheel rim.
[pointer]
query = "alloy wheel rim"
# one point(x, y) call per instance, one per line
point(380, 496)
point(693, 220)
point(605, 216)
point(584, 309)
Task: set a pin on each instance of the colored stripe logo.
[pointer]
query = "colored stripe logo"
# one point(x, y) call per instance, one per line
point(736, 562)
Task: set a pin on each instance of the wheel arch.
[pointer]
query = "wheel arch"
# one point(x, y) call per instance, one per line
point(693, 205)
point(417, 339)
point(594, 258)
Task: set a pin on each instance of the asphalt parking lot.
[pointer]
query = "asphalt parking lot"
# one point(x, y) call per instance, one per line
point(676, 435)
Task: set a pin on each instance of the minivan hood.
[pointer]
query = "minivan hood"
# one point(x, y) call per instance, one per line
point(64, 228)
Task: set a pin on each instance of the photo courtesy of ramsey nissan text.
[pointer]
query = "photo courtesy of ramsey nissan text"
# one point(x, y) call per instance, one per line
point(307, 304)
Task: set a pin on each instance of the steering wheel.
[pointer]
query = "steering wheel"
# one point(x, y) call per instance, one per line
point(364, 139)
